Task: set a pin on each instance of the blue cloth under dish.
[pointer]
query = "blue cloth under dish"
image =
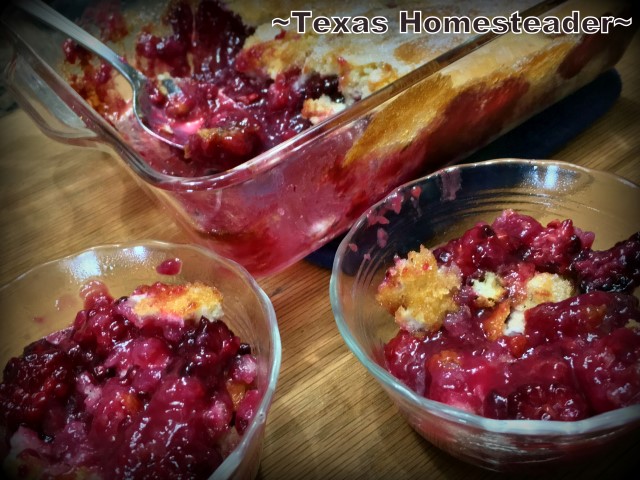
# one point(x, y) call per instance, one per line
point(539, 137)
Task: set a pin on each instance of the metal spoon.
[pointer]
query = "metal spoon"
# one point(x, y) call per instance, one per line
point(152, 118)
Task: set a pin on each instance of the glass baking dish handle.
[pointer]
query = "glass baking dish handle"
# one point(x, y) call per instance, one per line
point(54, 117)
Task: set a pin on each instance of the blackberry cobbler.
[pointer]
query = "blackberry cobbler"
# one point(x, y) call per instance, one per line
point(153, 385)
point(247, 85)
point(515, 320)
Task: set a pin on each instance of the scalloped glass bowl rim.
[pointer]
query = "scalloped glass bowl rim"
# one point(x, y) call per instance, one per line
point(604, 421)
point(235, 458)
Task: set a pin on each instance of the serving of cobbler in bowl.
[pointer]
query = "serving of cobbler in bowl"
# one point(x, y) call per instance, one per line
point(288, 127)
point(148, 360)
point(496, 303)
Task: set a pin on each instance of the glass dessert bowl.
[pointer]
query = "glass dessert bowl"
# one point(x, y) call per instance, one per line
point(285, 187)
point(432, 211)
point(117, 372)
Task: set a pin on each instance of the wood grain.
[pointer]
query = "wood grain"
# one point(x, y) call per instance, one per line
point(329, 419)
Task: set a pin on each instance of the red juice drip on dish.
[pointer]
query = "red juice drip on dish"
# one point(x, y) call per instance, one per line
point(171, 266)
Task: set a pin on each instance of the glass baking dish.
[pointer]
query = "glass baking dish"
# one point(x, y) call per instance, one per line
point(273, 210)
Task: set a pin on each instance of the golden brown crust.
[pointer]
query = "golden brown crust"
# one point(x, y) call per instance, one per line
point(186, 302)
point(418, 293)
point(403, 119)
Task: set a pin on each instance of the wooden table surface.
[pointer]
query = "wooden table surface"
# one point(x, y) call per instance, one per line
point(329, 418)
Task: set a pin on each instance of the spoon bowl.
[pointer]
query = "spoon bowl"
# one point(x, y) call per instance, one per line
point(154, 118)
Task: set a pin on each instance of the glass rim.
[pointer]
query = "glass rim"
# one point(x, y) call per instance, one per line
point(235, 458)
point(605, 421)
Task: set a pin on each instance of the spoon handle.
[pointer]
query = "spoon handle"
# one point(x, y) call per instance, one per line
point(48, 15)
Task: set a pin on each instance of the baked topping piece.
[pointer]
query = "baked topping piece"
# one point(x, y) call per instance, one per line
point(541, 288)
point(176, 303)
point(419, 293)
